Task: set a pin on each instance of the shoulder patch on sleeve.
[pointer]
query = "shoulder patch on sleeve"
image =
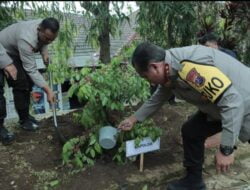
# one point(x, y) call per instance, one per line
point(206, 79)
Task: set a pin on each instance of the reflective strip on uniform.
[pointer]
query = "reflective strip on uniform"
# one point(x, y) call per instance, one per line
point(206, 79)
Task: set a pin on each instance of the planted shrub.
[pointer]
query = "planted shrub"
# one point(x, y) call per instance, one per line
point(111, 92)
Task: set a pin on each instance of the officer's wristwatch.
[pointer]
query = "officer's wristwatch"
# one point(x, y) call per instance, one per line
point(226, 150)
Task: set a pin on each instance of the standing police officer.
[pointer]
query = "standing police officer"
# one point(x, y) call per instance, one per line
point(21, 41)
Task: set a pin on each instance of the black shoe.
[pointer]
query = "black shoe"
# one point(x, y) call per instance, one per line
point(186, 184)
point(5, 136)
point(172, 102)
point(28, 125)
point(32, 119)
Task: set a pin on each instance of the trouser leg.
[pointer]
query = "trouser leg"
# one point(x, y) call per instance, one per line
point(194, 133)
point(22, 102)
point(2, 99)
point(6, 137)
point(21, 91)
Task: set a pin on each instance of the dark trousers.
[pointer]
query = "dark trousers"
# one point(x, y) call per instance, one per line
point(21, 92)
point(194, 133)
point(2, 99)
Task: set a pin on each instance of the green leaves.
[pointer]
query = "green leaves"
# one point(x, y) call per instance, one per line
point(145, 187)
point(170, 21)
point(63, 49)
point(98, 148)
point(92, 140)
point(81, 151)
point(138, 132)
point(54, 183)
point(108, 89)
point(142, 130)
point(120, 157)
point(92, 153)
point(98, 13)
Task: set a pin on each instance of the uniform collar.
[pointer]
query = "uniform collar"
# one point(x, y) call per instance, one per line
point(169, 60)
point(30, 34)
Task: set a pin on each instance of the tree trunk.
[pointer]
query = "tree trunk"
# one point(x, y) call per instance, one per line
point(169, 32)
point(105, 46)
point(104, 37)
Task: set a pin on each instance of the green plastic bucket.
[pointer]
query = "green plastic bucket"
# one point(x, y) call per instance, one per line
point(107, 137)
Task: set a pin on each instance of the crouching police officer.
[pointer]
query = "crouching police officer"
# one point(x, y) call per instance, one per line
point(209, 79)
point(21, 41)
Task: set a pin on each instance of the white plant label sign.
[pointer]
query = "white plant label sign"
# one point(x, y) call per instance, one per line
point(146, 145)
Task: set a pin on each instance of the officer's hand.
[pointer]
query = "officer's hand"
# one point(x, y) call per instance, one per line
point(46, 60)
point(223, 162)
point(127, 124)
point(51, 97)
point(10, 70)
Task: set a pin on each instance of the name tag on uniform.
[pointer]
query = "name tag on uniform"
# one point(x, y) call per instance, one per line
point(206, 79)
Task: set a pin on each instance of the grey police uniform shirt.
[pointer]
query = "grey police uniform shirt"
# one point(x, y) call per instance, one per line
point(20, 41)
point(232, 108)
point(4, 58)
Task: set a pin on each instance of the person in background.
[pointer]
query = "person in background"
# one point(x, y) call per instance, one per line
point(20, 42)
point(211, 40)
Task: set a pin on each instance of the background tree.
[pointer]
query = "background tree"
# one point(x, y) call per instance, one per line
point(171, 24)
point(167, 23)
point(235, 28)
point(230, 21)
point(10, 12)
point(207, 15)
point(102, 24)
